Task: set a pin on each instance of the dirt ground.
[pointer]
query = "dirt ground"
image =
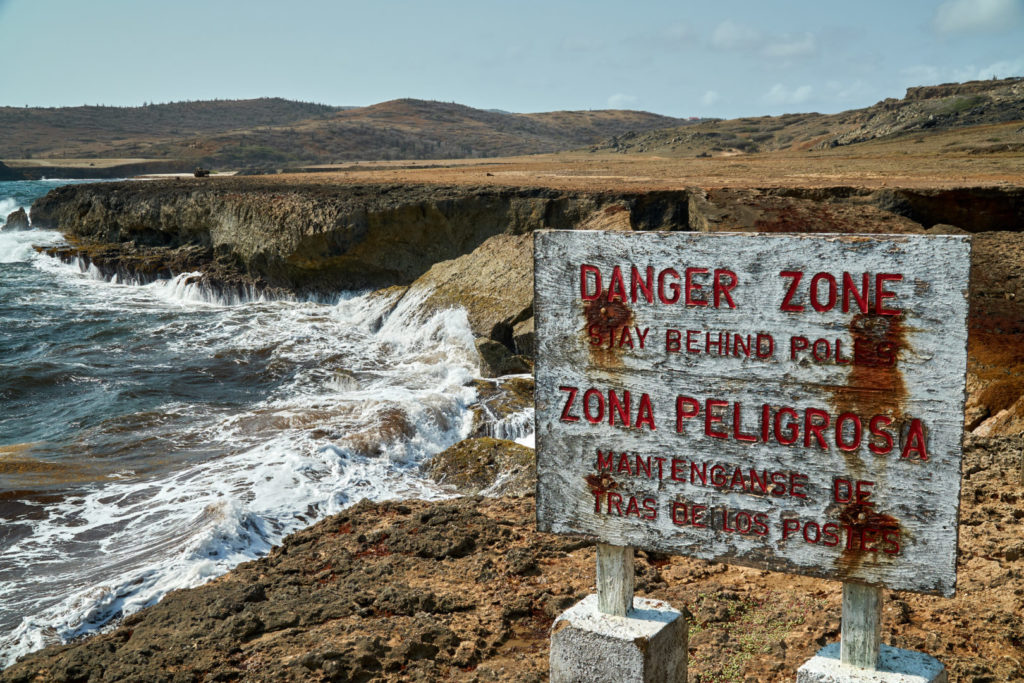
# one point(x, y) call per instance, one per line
point(902, 162)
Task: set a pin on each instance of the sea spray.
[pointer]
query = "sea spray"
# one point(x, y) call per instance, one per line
point(165, 434)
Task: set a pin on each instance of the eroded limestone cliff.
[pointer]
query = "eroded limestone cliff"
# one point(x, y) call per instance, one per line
point(471, 246)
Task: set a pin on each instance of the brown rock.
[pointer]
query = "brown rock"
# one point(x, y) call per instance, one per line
point(496, 360)
point(17, 220)
point(524, 337)
point(494, 284)
point(500, 401)
point(497, 466)
point(1007, 422)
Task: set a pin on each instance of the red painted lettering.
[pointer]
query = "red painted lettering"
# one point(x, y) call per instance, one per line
point(861, 297)
point(711, 418)
point(693, 287)
point(814, 426)
point(617, 288)
point(830, 300)
point(787, 301)
point(915, 441)
point(686, 408)
point(673, 287)
point(877, 429)
point(858, 429)
point(645, 414)
point(585, 271)
point(797, 344)
point(566, 415)
point(646, 287)
point(589, 394)
point(789, 526)
point(881, 294)
point(672, 341)
point(722, 290)
point(793, 427)
point(736, 433)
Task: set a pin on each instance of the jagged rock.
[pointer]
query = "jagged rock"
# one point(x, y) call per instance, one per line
point(311, 236)
point(494, 466)
point(502, 406)
point(496, 360)
point(465, 590)
point(17, 220)
point(1007, 422)
point(945, 229)
point(524, 337)
point(494, 284)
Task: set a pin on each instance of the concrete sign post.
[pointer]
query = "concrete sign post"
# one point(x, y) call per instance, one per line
point(785, 402)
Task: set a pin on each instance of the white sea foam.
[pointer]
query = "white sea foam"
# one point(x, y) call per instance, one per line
point(7, 205)
point(16, 247)
point(368, 393)
point(513, 427)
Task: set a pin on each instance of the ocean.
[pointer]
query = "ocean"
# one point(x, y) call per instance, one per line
point(152, 437)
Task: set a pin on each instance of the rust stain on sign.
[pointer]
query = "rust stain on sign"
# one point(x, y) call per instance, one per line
point(605, 319)
point(874, 385)
point(878, 342)
point(601, 482)
point(867, 534)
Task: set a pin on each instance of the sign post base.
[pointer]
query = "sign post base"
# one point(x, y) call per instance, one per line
point(648, 645)
point(894, 666)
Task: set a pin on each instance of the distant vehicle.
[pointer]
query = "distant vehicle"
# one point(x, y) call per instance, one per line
point(201, 172)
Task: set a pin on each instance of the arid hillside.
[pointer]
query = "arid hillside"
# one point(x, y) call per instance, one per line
point(272, 131)
point(923, 112)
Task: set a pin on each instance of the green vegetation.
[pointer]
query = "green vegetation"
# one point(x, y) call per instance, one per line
point(962, 104)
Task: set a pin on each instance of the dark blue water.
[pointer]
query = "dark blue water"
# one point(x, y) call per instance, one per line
point(152, 437)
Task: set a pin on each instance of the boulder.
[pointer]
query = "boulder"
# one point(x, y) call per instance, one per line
point(492, 466)
point(524, 338)
point(1007, 422)
point(493, 283)
point(496, 360)
point(17, 220)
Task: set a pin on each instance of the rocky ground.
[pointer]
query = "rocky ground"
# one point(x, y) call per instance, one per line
point(467, 590)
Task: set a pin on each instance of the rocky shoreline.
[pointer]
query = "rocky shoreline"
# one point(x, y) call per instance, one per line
point(471, 246)
point(466, 590)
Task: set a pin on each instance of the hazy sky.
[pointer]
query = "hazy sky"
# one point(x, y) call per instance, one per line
point(723, 58)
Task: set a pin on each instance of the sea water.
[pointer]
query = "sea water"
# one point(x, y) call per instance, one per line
point(152, 437)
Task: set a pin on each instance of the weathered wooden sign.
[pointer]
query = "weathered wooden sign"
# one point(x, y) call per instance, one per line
point(787, 402)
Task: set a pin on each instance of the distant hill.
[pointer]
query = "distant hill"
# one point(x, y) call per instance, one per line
point(273, 132)
point(922, 110)
point(277, 131)
point(91, 131)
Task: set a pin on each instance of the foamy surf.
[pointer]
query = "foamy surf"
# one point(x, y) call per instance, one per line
point(332, 403)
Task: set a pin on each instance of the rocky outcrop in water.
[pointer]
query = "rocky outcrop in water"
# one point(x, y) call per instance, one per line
point(16, 220)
